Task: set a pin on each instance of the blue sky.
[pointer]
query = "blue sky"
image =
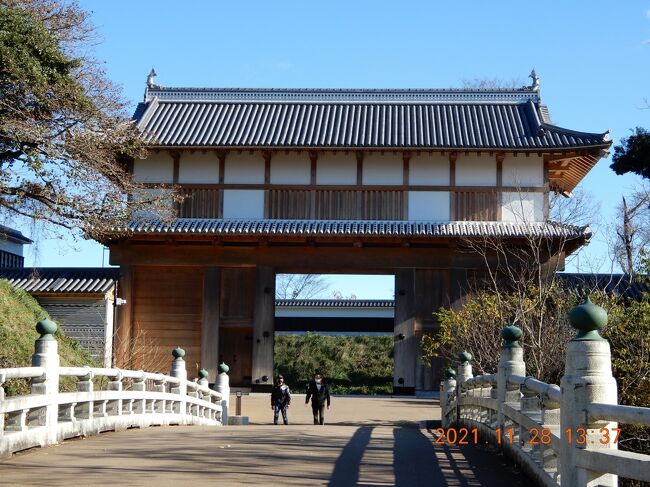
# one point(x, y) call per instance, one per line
point(593, 58)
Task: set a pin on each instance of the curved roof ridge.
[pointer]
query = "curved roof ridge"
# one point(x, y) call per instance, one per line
point(549, 126)
point(513, 95)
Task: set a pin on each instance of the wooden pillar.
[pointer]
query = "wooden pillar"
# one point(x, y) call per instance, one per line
point(263, 329)
point(210, 322)
point(431, 290)
point(406, 346)
point(123, 334)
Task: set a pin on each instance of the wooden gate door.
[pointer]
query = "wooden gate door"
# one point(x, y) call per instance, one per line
point(236, 349)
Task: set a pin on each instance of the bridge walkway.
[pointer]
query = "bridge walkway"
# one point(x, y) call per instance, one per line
point(366, 442)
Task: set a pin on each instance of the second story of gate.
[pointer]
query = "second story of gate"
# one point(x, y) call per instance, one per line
point(364, 154)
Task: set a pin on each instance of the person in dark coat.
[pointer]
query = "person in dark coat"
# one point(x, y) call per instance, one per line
point(280, 400)
point(319, 392)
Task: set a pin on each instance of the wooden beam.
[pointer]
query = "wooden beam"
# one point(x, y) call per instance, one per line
point(222, 166)
point(359, 155)
point(406, 160)
point(176, 156)
point(452, 184)
point(124, 324)
point(360, 203)
point(267, 167)
point(499, 156)
point(313, 158)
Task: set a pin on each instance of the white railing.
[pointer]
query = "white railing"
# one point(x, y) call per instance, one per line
point(129, 399)
point(564, 435)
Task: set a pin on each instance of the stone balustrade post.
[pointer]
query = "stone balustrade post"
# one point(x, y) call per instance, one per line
point(46, 355)
point(139, 406)
point(493, 416)
point(115, 384)
point(85, 384)
point(529, 405)
point(551, 421)
point(202, 381)
point(463, 372)
point(179, 372)
point(448, 391)
point(587, 379)
point(222, 386)
point(511, 362)
point(203, 378)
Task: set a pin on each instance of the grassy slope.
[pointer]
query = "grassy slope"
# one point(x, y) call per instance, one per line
point(19, 313)
point(351, 364)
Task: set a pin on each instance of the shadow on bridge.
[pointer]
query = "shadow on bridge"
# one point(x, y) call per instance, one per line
point(418, 462)
point(296, 455)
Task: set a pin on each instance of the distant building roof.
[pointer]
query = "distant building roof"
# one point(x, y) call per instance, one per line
point(334, 303)
point(62, 280)
point(355, 228)
point(13, 235)
point(613, 284)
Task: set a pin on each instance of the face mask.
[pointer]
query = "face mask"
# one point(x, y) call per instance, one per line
point(318, 381)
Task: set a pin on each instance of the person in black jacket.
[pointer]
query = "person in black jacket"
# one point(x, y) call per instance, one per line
point(280, 400)
point(319, 392)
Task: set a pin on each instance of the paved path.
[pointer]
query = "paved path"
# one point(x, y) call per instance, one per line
point(367, 442)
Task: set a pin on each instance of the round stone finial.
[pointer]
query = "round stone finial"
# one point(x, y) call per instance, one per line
point(46, 328)
point(178, 353)
point(450, 373)
point(203, 374)
point(223, 368)
point(464, 357)
point(511, 335)
point(588, 318)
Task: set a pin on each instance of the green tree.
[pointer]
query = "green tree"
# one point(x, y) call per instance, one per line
point(476, 327)
point(633, 154)
point(63, 128)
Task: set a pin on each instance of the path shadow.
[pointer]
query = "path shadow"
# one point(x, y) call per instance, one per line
point(414, 459)
point(347, 466)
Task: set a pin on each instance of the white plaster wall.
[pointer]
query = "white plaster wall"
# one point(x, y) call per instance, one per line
point(429, 170)
point(244, 168)
point(429, 205)
point(290, 168)
point(198, 168)
point(385, 168)
point(473, 170)
point(522, 207)
point(157, 168)
point(336, 168)
point(243, 203)
point(523, 171)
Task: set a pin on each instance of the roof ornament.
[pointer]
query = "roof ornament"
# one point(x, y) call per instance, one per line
point(535, 85)
point(150, 79)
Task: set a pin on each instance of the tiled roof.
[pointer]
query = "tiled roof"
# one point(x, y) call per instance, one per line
point(354, 228)
point(334, 303)
point(62, 280)
point(318, 118)
point(14, 235)
point(612, 284)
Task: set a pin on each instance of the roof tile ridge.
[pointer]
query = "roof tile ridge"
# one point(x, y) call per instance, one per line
point(147, 113)
point(169, 94)
point(605, 136)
